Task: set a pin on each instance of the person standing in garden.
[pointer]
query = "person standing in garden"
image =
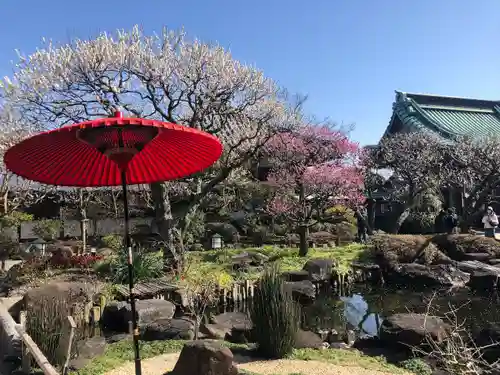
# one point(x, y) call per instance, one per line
point(362, 220)
point(451, 221)
point(490, 222)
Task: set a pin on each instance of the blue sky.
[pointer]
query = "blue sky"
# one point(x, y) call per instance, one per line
point(348, 56)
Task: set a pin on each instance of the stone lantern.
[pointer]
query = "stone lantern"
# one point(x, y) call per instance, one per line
point(217, 241)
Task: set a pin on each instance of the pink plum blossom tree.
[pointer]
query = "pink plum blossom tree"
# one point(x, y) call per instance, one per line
point(313, 169)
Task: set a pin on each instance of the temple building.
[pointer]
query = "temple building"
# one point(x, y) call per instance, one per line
point(447, 117)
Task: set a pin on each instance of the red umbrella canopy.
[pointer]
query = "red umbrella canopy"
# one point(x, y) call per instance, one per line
point(94, 153)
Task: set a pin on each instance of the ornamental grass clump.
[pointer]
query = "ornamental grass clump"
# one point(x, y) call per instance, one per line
point(275, 316)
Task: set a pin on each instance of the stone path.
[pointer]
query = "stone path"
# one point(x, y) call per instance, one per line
point(166, 362)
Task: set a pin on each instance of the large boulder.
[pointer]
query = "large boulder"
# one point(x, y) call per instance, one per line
point(87, 350)
point(485, 280)
point(424, 275)
point(412, 330)
point(489, 339)
point(308, 339)
point(457, 246)
point(230, 320)
point(302, 291)
point(295, 275)
point(116, 315)
point(215, 331)
point(232, 326)
point(319, 269)
point(249, 258)
point(168, 329)
point(390, 249)
point(205, 357)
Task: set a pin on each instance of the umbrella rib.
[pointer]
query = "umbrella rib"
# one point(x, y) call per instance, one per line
point(59, 171)
point(39, 162)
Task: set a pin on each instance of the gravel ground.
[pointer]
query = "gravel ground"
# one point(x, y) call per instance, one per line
point(161, 364)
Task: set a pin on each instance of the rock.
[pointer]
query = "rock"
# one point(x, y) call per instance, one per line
point(232, 320)
point(117, 337)
point(168, 329)
point(116, 315)
point(494, 261)
point(215, 331)
point(205, 357)
point(481, 257)
point(410, 330)
point(486, 337)
point(349, 337)
point(319, 269)
point(307, 339)
point(339, 345)
point(485, 281)
point(258, 259)
point(180, 297)
point(296, 275)
point(239, 335)
point(86, 351)
point(423, 275)
point(302, 291)
point(251, 258)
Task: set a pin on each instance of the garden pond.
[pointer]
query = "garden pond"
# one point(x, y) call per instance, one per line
point(364, 308)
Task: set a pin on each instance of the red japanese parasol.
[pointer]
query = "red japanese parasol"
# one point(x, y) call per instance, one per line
point(114, 151)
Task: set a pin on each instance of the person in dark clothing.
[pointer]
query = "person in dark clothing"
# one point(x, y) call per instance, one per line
point(362, 219)
point(439, 222)
point(451, 221)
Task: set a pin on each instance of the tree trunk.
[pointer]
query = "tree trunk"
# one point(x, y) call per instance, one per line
point(371, 216)
point(5, 202)
point(303, 245)
point(303, 229)
point(164, 221)
point(401, 219)
point(197, 323)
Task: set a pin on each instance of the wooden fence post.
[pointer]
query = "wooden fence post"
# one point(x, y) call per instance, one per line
point(72, 328)
point(25, 355)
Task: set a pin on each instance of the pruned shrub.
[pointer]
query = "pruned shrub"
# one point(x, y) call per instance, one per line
point(419, 223)
point(345, 231)
point(457, 245)
point(113, 241)
point(260, 235)
point(393, 248)
point(275, 316)
point(321, 238)
point(47, 229)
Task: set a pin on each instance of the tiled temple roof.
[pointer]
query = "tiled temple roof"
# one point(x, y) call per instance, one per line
point(448, 117)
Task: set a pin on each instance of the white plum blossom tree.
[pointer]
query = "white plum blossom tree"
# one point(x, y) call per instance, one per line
point(14, 191)
point(165, 77)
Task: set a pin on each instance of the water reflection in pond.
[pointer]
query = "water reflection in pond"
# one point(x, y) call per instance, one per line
point(365, 308)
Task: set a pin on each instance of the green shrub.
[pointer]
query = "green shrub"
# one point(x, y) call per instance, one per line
point(47, 229)
point(14, 219)
point(260, 235)
point(275, 315)
point(146, 266)
point(113, 241)
point(416, 366)
point(419, 223)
